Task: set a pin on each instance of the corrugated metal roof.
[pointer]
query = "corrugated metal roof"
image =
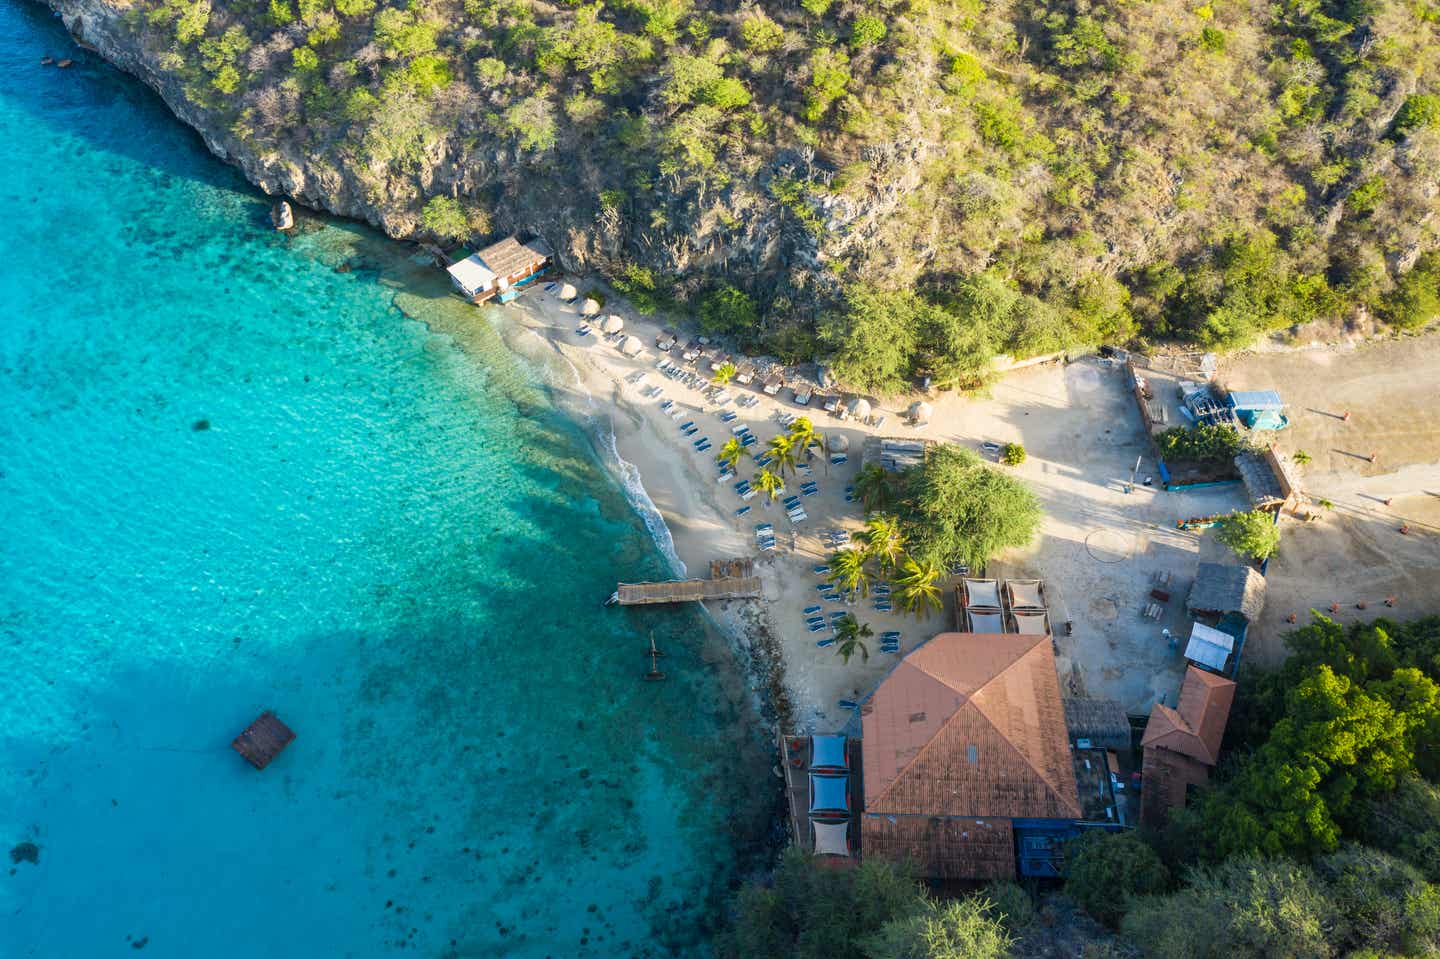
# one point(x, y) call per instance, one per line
point(1256, 400)
point(1209, 647)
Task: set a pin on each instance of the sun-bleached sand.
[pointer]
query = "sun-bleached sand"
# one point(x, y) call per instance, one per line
point(700, 511)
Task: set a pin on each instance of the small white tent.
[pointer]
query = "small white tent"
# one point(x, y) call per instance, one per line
point(921, 412)
point(631, 346)
point(612, 324)
point(589, 308)
point(568, 293)
point(860, 408)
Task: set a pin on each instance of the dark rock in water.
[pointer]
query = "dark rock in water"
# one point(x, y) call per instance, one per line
point(200, 426)
point(282, 216)
point(26, 852)
point(140, 943)
point(46, 61)
point(343, 268)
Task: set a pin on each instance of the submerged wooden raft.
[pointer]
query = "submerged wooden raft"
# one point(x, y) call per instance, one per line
point(263, 740)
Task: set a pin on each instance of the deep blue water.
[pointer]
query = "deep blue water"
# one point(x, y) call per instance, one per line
point(233, 478)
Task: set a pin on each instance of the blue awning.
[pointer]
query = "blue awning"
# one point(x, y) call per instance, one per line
point(829, 793)
point(828, 752)
point(1256, 400)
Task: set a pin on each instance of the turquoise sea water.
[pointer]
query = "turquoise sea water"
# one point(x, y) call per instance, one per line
point(233, 478)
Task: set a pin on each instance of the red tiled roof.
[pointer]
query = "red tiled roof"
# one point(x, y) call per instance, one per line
point(943, 848)
point(970, 725)
point(1196, 728)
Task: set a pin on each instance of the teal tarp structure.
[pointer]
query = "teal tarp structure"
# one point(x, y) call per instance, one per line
point(1259, 409)
point(828, 752)
point(829, 793)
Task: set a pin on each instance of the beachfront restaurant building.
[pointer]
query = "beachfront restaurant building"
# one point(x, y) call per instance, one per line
point(966, 764)
point(500, 271)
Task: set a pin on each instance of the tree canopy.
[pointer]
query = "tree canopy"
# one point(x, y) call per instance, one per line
point(958, 509)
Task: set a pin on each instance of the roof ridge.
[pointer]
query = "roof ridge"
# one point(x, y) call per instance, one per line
point(1044, 776)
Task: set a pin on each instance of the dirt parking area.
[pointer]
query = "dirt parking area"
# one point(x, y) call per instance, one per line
point(1354, 552)
point(1100, 549)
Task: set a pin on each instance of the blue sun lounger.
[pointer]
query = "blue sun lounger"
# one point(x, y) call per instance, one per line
point(828, 641)
point(822, 569)
point(742, 511)
point(810, 610)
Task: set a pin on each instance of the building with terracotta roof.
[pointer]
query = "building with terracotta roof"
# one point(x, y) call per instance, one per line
point(964, 743)
point(1182, 745)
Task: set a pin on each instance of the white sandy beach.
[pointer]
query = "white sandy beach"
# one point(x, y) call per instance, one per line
point(1098, 547)
point(700, 511)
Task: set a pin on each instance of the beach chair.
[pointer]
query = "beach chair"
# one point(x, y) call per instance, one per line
point(839, 459)
point(743, 510)
point(687, 424)
point(848, 704)
point(826, 642)
point(821, 570)
point(811, 610)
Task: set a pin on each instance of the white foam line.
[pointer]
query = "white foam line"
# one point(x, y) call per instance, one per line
point(603, 433)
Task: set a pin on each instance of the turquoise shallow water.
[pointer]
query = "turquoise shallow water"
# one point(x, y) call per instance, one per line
point(233, 478)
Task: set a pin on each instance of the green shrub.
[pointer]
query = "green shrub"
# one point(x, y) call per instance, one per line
point(1415, 301)
point(403, 34)
point(1103, 870)
point(760, 34)
point(866, 31)
point(447, 218)
point(281, 13)
point(1213, 39)
point(1419, 110)
point(354, 8)
point(490, 70)
point(727, 93)
point(829, 78)
point(532, 122)
point(727, 310)
point(1252, 534)
point(1013, 454)
point(1204, 443)
point(305, 59)
point(816, 8)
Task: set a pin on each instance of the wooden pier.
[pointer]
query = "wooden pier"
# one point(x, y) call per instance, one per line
point(729, 579)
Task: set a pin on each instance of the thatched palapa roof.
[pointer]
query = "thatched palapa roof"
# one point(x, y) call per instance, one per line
point(1223, 589)
point(1102, 721)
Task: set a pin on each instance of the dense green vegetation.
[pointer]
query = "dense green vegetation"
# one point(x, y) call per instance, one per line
point(874, 912)
point(952, 509)
point(911, 186)
point(1203, 443)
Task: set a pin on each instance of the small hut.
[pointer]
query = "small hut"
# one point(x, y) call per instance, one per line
point(263, 740)
point(1100, 722)
point(773, 384)
point(612, 324)
point(568, 293)
point(631, 346)
point(920, 413)
point(860, 408)
point(589, 308)
point(1221, 589)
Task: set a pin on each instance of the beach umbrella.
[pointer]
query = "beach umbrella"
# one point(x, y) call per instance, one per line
point(589, 308)
point(837, 442)
point(860, 407)
point(631, 346)
point(612, 324)
point(568, 292)
point(920, 413)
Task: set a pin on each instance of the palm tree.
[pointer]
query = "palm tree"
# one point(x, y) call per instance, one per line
point(917, 587)
point(802, 435)
point(730, 453)
point(847, 570)
point(769, 483)
point(852, 634)
point(1299, 457)
point(725, 373)
point(782, 452)
point(872, 487)
point(884, 541)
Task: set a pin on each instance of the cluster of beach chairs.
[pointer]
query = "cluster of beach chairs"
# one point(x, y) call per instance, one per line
point(765, 537)
point(815, 619)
